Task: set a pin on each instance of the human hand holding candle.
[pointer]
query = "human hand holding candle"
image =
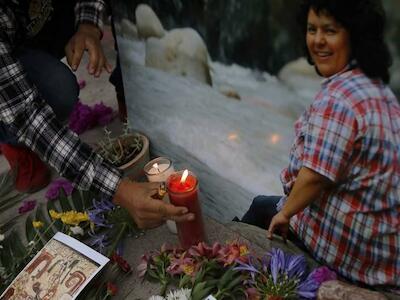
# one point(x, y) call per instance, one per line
point(146, 212)
point(158, 170)
point(182, 189)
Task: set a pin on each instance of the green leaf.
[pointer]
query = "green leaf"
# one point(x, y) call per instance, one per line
point(200, 291)
point(57, 223)
point(77, 200)
point(31, 232)
point(64, 201)
point(48, 231)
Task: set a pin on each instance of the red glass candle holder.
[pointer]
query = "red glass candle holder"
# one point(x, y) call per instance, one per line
point(186, 194)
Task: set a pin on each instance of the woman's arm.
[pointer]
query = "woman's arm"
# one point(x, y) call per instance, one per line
point(309, 186)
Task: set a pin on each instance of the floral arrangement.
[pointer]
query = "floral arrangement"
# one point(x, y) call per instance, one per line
point(121, 149)
point(230, 272)
point(84, 117)
point(96, 222)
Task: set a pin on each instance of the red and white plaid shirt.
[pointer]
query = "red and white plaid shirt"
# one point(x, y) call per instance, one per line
point(351, 135)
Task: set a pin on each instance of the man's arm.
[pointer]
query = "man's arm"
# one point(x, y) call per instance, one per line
point(308, 187)
point(32, 121)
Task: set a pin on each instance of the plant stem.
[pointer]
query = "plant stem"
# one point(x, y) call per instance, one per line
point(117, 239)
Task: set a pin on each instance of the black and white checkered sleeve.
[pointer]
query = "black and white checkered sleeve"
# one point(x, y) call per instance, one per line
point(90, 11)
point(33, 122)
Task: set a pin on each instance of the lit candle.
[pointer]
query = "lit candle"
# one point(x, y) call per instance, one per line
point(182, 189)
point(158, 170)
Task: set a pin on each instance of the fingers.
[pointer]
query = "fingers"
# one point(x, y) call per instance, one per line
point(271, 229)
point(77, 53)
point(94, 57)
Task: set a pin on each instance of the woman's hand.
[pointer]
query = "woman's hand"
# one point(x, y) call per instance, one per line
point(281, 222)
point(146, 211)
point(87, 38)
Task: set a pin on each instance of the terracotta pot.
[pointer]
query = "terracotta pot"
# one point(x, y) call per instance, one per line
point(134, 168)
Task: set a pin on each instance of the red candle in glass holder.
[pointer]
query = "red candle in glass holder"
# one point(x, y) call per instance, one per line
point(182, 189)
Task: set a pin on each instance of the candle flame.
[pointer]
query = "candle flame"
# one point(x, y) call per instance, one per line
point(155, 166)
point(184, 176)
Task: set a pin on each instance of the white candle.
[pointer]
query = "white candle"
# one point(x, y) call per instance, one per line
point(158, 170)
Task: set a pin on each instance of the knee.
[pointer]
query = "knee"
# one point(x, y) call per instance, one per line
point(258, 202)
point(67, 94)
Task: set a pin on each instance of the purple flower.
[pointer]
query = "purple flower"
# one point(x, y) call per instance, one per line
point(99, 242)
point(103, 205)
point(308, 288)
point(103, 114)
point(277, 263)
point(249, 267)
point(97, 217)
point(295, 266)
point(81, 118)
point(53, 192)
point(26, 206)
point(323, 274)
point(81, 83)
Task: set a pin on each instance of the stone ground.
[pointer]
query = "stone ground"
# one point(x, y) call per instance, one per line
point(96, 90)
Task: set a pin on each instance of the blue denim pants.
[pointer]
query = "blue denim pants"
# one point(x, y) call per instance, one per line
point(261, 212)
point(54, 80)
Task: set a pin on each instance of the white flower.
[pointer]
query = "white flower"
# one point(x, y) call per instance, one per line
point(77, 230)
point(156, 298)
point(31, 243)
point(2, 237)
point(182, 294)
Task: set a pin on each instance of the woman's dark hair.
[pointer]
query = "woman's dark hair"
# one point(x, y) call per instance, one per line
point(365, 21)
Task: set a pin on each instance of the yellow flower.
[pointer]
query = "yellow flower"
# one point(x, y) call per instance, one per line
point(244, 250)
point(188, 269)
point(55, 215)
point(37, 224)
point(74, 218)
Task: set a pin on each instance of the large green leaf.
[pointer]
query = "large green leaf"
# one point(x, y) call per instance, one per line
point(51, 206)
point(8, 195)
point(49, 230)
point(31, 232)
point(64, 201)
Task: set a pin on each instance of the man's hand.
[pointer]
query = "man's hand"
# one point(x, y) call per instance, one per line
point(146, 211)
point(280, 222)
point(87, 38)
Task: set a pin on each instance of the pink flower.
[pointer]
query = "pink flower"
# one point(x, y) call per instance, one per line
point(232, 252)
point(202, 250)
point(112, 289)
point(82, 118)
point(26, 206)
point(103, 114)
point(81, 83)
point(143, 265)
point(323, 274)
point(53, 192)
point(180, 264)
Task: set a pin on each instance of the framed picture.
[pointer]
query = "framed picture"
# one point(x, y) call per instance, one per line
point(60, 270)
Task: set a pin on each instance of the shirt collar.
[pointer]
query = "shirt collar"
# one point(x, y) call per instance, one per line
point(351, 65)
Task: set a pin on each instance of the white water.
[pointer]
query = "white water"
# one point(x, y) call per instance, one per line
point(237, 148)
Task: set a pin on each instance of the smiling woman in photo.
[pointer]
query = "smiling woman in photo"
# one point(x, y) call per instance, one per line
point(342, 196)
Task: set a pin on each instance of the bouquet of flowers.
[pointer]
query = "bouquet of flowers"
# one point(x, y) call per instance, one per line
point(96, 222)
point(230, 272)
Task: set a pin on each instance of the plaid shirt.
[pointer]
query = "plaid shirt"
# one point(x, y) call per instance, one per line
point(351, 135)
point(33, 122)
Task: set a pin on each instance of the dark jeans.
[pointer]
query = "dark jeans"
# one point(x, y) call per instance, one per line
point(261, 212)
point(55, 82)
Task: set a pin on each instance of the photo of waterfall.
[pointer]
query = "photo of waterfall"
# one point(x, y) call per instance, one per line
point(217, 85)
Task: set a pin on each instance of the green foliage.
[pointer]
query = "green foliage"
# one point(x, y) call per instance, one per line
point(121, 149)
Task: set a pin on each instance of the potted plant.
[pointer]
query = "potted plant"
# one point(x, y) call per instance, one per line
point(129, 151)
